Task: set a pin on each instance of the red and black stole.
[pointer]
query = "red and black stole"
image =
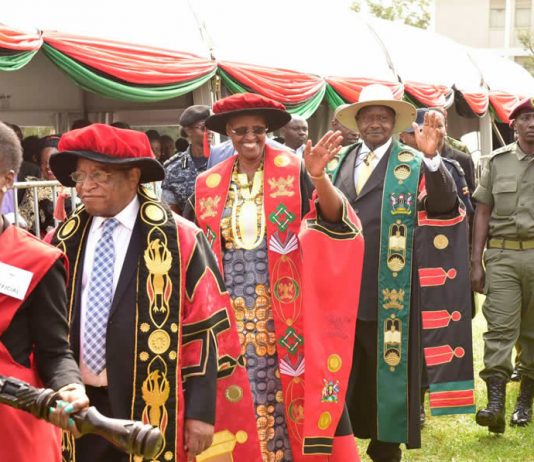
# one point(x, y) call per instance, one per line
point(314, 309)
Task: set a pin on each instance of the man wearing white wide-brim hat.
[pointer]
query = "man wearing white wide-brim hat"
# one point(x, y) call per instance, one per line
point(388, 185)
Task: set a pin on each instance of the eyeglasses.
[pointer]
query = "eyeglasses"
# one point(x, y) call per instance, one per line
point(96, 176)
point(242, 131)
point(200, 127)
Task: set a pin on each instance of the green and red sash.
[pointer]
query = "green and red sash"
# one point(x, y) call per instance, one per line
point(399, 207)
point(17, 428)
point(445, 307)
point(314, 404)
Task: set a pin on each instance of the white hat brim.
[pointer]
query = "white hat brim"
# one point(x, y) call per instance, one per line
point(405, 114)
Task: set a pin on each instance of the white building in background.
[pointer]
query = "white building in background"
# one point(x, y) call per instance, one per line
point(489, 24)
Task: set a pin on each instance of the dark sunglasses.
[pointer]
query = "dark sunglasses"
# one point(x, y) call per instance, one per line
point(242, 131)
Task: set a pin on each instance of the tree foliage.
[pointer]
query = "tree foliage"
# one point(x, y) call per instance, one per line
point(527, 41)
point(412, 12)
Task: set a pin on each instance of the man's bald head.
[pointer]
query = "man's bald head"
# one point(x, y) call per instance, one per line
point(295, 132)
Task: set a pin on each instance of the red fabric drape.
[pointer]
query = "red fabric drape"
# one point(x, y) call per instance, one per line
point(349, 88)
point(131, 63)
point(19, 41)
point(426, 94)
point(478, 102)
point(288, 87)
point(503, 103)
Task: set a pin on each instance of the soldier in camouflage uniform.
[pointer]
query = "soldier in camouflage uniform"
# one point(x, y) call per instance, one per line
point(504, 222)
point(181, 170)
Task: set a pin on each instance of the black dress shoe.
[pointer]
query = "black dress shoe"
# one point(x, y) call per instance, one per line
point(522, 414)
point(493, 416)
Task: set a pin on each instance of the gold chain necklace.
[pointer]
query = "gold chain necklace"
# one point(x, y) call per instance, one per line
point(248, 216)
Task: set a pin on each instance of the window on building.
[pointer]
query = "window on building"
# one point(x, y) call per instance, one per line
point(497, 14)
point(496, 18)
point(522, 17)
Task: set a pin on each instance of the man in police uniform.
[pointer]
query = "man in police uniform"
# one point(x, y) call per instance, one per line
point(505, 223)
point(181, 170)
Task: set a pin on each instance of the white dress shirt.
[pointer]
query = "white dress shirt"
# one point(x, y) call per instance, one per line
point(121, 239)
point(432, 164)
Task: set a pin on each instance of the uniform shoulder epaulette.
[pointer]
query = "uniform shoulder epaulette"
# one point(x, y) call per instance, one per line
point(502, 150)
point(172, 159)
point(455, 164)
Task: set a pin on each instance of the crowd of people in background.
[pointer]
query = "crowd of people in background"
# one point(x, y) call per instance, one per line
point(183, 157)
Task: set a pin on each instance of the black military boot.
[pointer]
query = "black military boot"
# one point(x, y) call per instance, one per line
point(522, 414)
point(493, 416)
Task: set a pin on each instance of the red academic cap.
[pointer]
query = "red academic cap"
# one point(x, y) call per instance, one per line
point(107, 145)
point(274, 112)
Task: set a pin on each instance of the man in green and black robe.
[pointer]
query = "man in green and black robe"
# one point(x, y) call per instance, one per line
point(389, 185)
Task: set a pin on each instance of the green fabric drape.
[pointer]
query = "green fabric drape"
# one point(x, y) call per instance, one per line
point(305, 109)
point(232, 85)
point(92, 81)
point(13, 61)
point(412, 100)
point(333, 98)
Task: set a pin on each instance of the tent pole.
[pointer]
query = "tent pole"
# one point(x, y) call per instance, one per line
point(498, 133)
point(207, 94)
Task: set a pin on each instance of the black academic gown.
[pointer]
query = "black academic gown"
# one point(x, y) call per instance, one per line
point(361, 397)
point(120, 350)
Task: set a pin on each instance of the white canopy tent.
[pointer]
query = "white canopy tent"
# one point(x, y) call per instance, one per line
point(316, 37)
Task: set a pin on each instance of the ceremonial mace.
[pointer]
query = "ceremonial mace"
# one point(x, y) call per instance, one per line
point(131, 436)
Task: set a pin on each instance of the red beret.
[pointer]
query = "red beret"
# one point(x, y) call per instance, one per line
point(105, 144)
point(526, 104)
point(247, 103)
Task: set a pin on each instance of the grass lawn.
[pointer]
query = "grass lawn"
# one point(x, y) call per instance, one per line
point(460, 439)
